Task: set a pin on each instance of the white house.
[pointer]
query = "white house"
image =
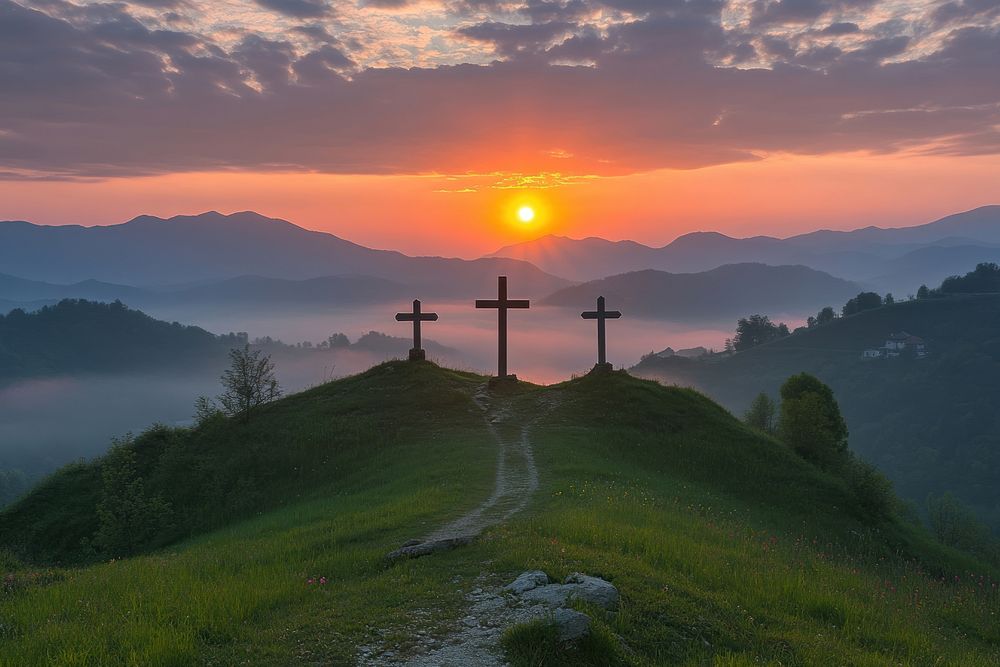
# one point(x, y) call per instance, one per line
point(901, 342)
point(897, 344)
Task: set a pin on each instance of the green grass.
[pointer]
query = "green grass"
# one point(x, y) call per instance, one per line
point(727, 549)
point(536, 644)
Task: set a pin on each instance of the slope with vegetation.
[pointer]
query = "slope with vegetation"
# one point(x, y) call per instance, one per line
point(930, 423)
point(269, 537)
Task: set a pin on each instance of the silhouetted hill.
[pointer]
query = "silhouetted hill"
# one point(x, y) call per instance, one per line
point(274, 294)
point(21, 291)
point(583, 259)
point(211, 247)
point(858, 255)
point(727, 292)
point(83, 336)
point(931, 424)
point(277, 293)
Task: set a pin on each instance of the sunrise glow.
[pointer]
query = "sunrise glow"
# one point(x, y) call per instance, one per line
point(526, 214)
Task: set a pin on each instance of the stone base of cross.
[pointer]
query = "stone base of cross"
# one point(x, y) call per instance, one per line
point(602, 368)
point(418, 355)
point(495, 382)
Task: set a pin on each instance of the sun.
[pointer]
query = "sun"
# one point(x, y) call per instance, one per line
point(525, 214)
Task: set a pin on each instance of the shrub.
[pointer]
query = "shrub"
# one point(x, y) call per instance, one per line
point(249, 382)
point(872, 490)
point(129, 518)
point(761, 414)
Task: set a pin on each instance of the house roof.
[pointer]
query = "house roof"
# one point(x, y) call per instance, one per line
point(903, 337)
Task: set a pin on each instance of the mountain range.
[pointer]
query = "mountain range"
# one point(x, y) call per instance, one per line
point(727, 292)
point(186, 250)
point(895, 259)
point(249, 260)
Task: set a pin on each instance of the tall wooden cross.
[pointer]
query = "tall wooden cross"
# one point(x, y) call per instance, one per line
point(602, 339)
point(502, 303)
point(417, 353)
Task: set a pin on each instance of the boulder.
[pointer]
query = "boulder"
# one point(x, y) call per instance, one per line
point(527, 581)
point(593, 590)
point(571, 624)
point(553, 595)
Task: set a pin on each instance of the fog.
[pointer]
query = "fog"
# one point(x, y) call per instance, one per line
point(45, 423)
point(546, 344)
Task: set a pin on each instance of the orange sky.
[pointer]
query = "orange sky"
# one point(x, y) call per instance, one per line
point(471, 215)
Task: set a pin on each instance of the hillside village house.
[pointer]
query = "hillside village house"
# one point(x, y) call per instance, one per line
point(897, 344)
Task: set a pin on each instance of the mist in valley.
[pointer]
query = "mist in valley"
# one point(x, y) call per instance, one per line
point(50, 421)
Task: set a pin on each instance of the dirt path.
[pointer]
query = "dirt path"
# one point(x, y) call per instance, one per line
point(516, 481)
point(516, 478)
point(477, 639)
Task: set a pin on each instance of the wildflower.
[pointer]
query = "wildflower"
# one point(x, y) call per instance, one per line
point(310, 581)
point(322, 581)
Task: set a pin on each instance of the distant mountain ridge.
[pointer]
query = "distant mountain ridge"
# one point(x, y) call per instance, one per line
point(148, 251)
point(275, 294)
point(728, 292)
point(861, 255)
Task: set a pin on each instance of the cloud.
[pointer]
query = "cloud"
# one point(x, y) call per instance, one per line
point(301, 9)
point(802, 11)
point(112, 90)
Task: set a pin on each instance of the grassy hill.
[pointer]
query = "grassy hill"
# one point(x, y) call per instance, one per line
point(931, 424)
point(727, 548)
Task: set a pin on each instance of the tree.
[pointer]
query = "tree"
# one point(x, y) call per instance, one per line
point(761, 414)
point(206, 411)
point(811, 423)
point(338, 340)
point(755, 330)
point(129, 518)
point(863, 301)
point(923, 292)
point(811, 322)
point(889, 299)
point(826, 316)
point(249, 382)
point(985, 278)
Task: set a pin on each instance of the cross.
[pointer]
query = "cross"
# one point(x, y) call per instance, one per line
point(502, 303)
point(417, 353)
point(602, 339)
